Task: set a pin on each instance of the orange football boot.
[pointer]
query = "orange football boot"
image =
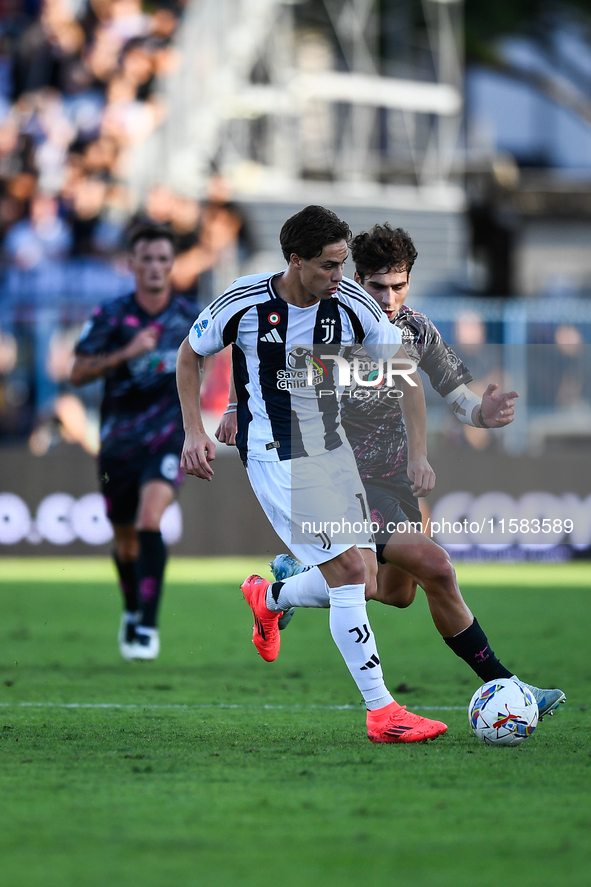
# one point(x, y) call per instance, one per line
point(265, 631)
point(393, 723)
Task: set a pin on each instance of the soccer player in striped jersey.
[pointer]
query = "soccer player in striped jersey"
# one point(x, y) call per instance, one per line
point(298, 460)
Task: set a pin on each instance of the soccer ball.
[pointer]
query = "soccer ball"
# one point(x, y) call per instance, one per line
point(503, 712)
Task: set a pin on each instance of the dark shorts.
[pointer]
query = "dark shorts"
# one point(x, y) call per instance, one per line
point(390, 502)
point(122, 479)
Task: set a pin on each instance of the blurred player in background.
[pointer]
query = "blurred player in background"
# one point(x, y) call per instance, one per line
point(132, 342)
point(375, 427)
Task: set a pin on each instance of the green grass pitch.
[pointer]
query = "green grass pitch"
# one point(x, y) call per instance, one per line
point(212, 768)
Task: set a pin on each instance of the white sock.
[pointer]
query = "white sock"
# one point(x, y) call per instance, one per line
point(308, 589)
point(353, 636)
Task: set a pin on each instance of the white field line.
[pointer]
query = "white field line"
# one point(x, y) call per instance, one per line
point(221, 706)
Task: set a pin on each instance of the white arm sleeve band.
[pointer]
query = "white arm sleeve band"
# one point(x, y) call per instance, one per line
point(462, 401)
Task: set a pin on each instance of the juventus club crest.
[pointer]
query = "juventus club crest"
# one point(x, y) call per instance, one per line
point(328, 328)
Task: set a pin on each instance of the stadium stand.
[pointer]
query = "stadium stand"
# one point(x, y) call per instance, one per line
point(80, 87)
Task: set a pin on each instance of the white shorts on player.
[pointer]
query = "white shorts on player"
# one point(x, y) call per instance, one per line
point(316, 504)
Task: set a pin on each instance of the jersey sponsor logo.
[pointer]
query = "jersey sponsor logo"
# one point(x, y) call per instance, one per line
point(169, 467)
point(299, 358)
point(291, 380)
point(153, 362)
point(200, 326)
point(273, 337)
point(304, 370)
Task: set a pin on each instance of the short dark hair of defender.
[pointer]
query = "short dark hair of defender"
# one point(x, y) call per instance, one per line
point(309, 231)
point(150, 233)
point(383, 247)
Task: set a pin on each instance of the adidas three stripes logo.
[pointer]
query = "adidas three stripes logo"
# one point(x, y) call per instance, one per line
point(272, 336)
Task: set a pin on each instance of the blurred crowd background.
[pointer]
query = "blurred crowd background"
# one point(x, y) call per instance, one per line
point(221, 118)
point(78, 91)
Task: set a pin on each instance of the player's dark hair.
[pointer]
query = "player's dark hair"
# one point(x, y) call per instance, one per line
point(150, 232)
point(310, 230)
point(382, 247)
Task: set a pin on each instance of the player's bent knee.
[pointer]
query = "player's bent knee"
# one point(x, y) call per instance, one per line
point(348, 568)
point(400, 597)
point(439, 572)
point(355, 576)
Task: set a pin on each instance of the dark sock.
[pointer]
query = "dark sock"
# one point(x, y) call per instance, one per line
point(472, 646)
point(151, 563)
point(128, 582)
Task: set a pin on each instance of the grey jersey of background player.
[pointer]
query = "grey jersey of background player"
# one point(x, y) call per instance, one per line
point(373, 422)
point(384, 258)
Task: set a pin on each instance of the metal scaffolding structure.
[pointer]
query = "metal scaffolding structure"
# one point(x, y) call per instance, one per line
point(270, 98)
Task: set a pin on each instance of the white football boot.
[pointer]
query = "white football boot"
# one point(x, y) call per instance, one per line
point(126, 635)
point(146, 645)
point(548, 700)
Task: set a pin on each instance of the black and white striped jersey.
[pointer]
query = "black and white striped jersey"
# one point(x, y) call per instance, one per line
point(288, 397)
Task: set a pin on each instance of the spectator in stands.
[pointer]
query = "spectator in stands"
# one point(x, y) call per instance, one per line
point(93, 233)
point(82, 89)
point(100, 156)
point(470, 337)
point(138, 66)
point(13, 392)
point(192, 258)
point(9, 137)
point(76, 91)
point(158, 208)
point(46, 48)
point(127, 120)
point(220, 233)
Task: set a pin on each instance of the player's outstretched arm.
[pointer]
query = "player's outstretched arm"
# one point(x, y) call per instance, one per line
point(414, 412)
point(198, 449)
point(498, 410)
point(493, 411)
